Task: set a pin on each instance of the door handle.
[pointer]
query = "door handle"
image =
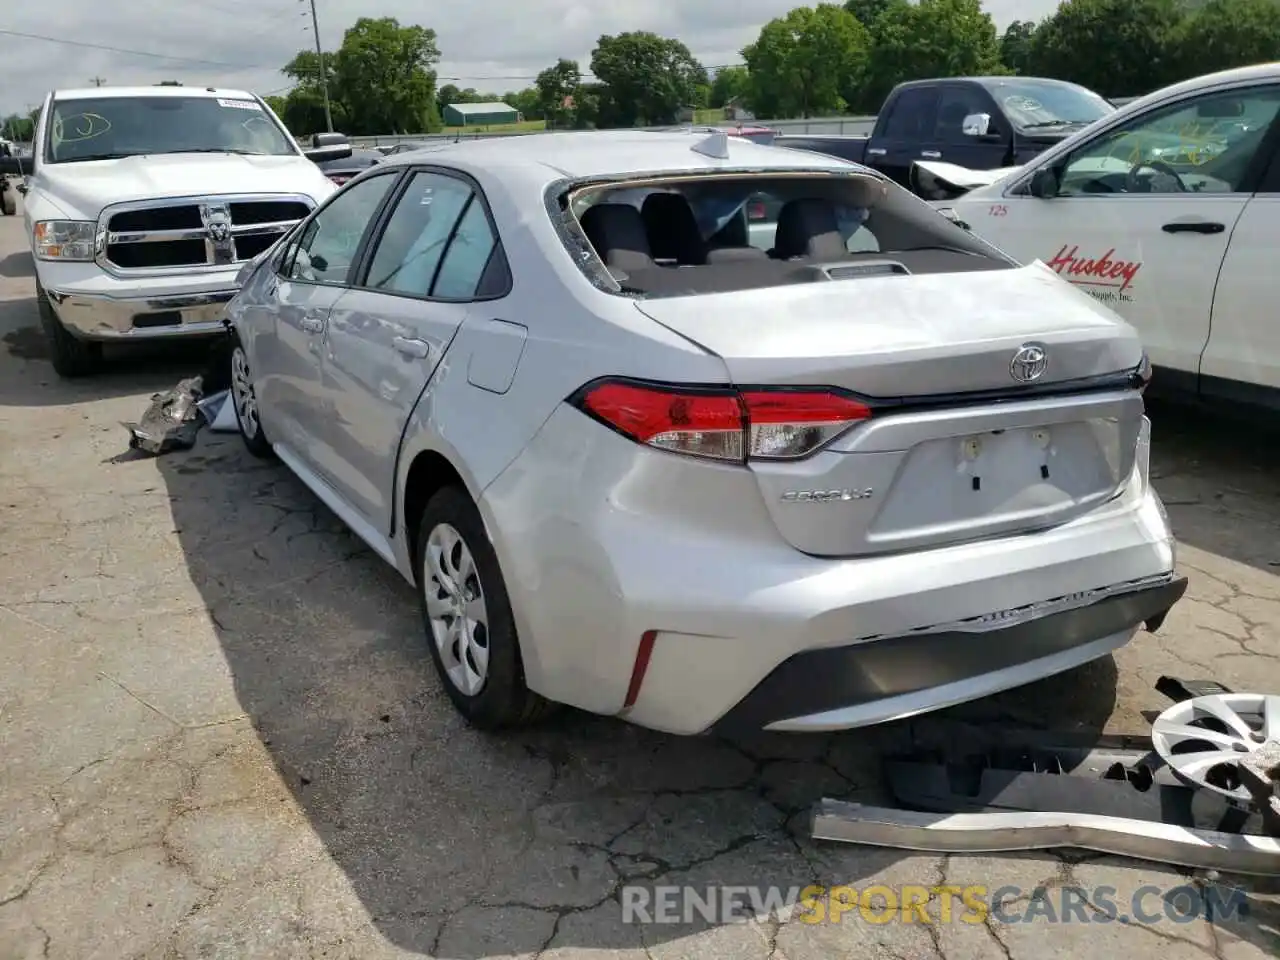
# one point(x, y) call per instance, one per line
point(412, 348)
point(1193, 226)
point(931, 154)
point(876, 151)
point(310, 323)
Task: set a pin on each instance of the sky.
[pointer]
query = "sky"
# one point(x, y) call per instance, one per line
point(493, 45)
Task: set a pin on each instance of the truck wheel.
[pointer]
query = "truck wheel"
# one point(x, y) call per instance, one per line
point(8, 203)
point(71, 356)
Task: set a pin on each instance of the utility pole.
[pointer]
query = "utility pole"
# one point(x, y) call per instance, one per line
point(324, 74)
point(98, 81)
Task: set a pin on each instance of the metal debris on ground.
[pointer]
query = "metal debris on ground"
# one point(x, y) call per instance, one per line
point(172, 420)
point(1201, 790)
point(174, 417)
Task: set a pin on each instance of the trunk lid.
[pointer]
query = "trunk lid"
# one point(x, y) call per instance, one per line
point(957, 448)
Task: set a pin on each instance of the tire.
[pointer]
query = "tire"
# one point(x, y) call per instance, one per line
point(71, 357)
point(244, 400)
point(495, 697)
point(8, 202)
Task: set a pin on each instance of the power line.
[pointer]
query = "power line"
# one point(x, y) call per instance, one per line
point(132, 53)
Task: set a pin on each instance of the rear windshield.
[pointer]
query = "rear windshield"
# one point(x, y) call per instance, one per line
point(716, 233)
point(105, 128)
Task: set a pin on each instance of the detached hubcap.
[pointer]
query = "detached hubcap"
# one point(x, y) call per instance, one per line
point(242, 393)
point(456, 609)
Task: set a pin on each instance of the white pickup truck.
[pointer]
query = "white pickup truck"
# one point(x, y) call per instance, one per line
point(1168, 211)
point(144, 202)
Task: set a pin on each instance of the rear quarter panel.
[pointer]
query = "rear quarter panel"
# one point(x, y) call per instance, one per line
point(575, 333)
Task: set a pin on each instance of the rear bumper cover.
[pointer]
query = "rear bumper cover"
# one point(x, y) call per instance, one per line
point(863, 683)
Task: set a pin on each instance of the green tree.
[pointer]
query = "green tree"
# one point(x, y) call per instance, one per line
point(931, 38)
point(649, 78)
point(803, 62)
point(446, 95)
point(1117, 48)
point(386, 77)
point(19, 128)
point(527, 101)
point(867, 11)
point(557, 86)
point(1015, 45)
point(729, 84)
point(1229, 33)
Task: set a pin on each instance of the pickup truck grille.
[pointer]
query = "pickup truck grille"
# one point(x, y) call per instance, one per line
point(199, 232)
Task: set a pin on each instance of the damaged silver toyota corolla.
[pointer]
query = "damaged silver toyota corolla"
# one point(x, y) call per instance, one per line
point(706, 434)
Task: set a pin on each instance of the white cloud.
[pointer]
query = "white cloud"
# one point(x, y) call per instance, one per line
point(489, 44)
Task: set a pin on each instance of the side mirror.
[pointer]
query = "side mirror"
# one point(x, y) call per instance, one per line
point(1044, 183)
point(328, 146)
point(976, 125)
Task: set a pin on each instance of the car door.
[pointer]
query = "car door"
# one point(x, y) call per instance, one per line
point(436, 255)
point(313, 275)
point(913, 115)
point(1242, 358)
point(1147, 241)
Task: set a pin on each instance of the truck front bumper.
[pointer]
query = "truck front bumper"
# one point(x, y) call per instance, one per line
point(100, 317)
point(96, 305)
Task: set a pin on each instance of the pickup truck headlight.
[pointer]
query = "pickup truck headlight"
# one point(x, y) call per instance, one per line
point(65, 239)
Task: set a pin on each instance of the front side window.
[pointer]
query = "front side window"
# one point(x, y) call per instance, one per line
point(107, 128)
point(1203, 145)
point(413, 244)
point(328, 244)
point(957, 103)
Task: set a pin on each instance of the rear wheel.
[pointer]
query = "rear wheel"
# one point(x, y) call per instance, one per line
point(71, 357)
point(245, 400)
point(468, 618)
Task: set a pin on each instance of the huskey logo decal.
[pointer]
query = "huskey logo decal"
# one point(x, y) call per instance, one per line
point(1103, 271)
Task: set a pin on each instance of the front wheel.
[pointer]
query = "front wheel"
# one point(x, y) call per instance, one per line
point(245, 399)
point(8, 202)
point(71, 356)
point(468, 619)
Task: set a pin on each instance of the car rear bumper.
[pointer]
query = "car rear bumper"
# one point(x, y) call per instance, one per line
point(852, 686)
point(657, 588)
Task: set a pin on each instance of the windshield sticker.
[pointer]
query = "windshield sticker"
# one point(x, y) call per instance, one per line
point(79, 126)
point(1023, 103)
point(239, 104)
point(1108, 278)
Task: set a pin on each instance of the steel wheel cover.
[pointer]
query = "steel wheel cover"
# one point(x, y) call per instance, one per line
point(456, 609)
point(1204, 739)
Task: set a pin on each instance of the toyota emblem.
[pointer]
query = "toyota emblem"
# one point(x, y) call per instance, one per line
point(1029, 363)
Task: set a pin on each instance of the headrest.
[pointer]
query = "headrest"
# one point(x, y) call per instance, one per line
point(617, 232)
point(808, 228)
point(672, 228)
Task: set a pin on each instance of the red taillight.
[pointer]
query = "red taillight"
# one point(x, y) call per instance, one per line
point(755, 211)
point(339, 178)
point(723, 423)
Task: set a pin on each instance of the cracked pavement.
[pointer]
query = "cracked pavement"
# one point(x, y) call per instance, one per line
point(220, 734)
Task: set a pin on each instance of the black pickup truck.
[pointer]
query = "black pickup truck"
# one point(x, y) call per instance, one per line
point(982, 123)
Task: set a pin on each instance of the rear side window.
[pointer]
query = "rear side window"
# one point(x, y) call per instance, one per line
point(413, 244)
point(439, 243)
point(913, 115)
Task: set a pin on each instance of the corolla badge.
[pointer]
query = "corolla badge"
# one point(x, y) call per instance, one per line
point(826, 496)
point(1029, 363)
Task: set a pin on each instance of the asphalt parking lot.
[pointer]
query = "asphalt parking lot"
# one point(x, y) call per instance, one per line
point(220, 734)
